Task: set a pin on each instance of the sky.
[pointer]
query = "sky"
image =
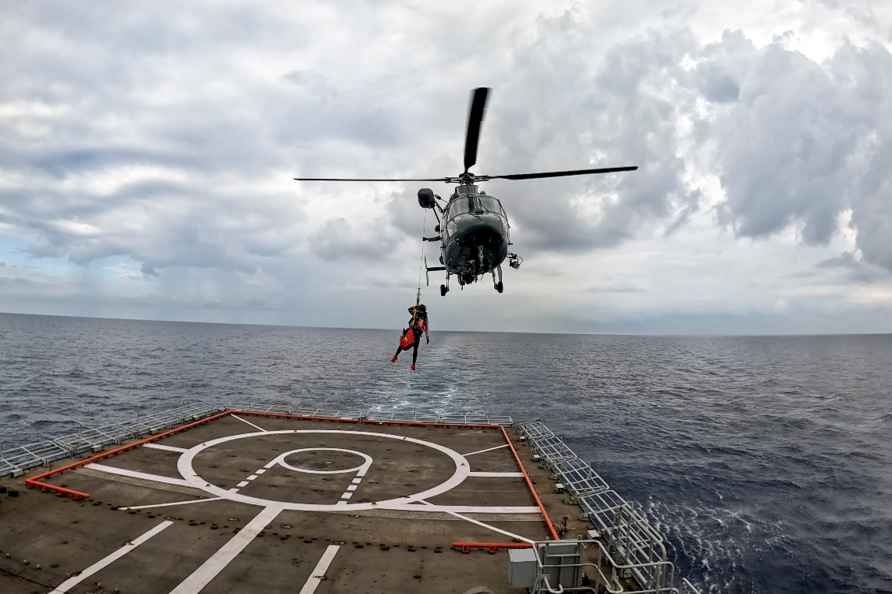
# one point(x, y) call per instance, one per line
point(147, 153)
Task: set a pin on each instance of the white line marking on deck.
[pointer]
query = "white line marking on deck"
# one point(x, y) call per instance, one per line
point(187, 471)
point(258, 427)
point(251, 478)
point(466, 509)
point(161, 446)
point(350, 489)
point(479, 523)
point(208, 570)
point(497, 474)
point(318, 573)
point(360, 469)
point(242, 484)
point(261, 471)
point(108, 560)
point(169, 504)
point(486, 450)
point(142, 475)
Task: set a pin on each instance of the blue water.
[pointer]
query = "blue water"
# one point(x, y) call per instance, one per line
point(766, 460)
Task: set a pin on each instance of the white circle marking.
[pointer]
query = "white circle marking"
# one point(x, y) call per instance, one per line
point(187, 471)
point(280, 460)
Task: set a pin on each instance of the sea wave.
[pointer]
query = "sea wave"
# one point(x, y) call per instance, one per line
point(763, 460)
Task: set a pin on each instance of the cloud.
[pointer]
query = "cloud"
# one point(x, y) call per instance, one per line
point(854, 268)
point(805, 142)
point(586, 107)
point(342, 239)
point(615, 289)
point(146, 157)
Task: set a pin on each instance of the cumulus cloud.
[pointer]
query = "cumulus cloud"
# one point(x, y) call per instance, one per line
point(804, 142)
point(589, 108)
point(153, 150)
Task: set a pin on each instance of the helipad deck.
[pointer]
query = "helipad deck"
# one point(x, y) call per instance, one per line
point(259, 502)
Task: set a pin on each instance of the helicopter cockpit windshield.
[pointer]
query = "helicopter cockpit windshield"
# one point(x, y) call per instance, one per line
point(458, 206)
point(475, 205)
point(489, 204)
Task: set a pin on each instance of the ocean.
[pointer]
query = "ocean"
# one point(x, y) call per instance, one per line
point(765, 460)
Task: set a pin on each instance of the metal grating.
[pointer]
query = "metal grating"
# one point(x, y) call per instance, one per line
point(535, 430)
point(578, 477)
point(635, 541)
point(15, 461)
point(561, 565)
point(602, 509)
point(552, 449)
point(630, 548)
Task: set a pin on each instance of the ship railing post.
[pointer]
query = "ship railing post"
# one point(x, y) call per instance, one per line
point(12, 468)
point(626, 538)
point(37, 458)
point(95, 430)
point(61, 446)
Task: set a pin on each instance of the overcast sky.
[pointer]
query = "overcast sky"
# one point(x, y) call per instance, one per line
point(147, 151)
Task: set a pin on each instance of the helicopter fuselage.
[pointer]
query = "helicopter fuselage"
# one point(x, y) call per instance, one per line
point(472, 226)
point(474, 234)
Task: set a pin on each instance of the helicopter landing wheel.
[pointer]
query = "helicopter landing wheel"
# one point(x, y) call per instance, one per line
point(497, 274)
point(443, 290)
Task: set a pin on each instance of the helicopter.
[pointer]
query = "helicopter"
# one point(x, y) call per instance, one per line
point(472, 226)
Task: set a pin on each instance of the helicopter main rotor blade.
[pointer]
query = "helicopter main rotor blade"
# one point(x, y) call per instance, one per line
point(375, 179)
point(557, 173)
point(475, 118)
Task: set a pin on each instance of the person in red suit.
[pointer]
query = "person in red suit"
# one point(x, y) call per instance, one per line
point(411, 336)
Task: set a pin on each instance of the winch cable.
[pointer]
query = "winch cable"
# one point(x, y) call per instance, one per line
point(422, 267)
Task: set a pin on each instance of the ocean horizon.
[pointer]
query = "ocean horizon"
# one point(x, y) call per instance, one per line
point(457, 330)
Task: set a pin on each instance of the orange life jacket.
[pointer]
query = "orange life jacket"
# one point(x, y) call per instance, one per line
point(408, 339)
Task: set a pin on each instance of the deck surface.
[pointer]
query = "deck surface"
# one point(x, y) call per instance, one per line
point(250, 504)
